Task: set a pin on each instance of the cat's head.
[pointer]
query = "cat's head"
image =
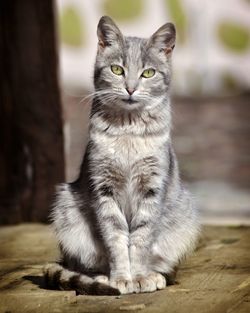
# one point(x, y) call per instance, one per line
point(132, 72)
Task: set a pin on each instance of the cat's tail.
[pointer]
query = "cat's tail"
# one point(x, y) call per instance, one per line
point(57, 277)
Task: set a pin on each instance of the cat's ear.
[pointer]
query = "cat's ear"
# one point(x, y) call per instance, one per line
point(108, 33)
point(164, 38)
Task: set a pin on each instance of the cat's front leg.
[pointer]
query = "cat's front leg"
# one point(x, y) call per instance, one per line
point(143, 232)
point(115, 235)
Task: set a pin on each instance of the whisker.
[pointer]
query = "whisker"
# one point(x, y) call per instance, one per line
point(94, 94)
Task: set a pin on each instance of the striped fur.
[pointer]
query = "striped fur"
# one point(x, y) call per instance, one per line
point(128, 216)
point(57, 277)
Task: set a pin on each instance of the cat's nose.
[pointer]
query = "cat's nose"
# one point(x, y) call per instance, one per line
point(130, 91)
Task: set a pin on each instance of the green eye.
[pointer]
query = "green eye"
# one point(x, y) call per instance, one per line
point(148, 73)
point(116, 69)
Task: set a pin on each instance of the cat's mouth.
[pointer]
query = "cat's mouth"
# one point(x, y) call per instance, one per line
point(130, 101)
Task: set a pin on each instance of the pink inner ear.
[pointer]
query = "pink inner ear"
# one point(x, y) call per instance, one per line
point(101, 43)
point(168, 50)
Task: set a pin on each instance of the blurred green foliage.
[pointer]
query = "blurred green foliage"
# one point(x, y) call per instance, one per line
point(233, 36)
point(178, 16)
point(230, 83)
point(71, 28)
point(123, 9)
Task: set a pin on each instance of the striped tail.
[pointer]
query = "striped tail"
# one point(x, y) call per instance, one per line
point(57, 277)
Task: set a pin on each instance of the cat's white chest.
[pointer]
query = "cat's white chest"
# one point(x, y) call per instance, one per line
point(127, 149)
point(130, 149)
point(128, 154)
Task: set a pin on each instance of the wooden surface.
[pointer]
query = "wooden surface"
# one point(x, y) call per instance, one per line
point(215, 279)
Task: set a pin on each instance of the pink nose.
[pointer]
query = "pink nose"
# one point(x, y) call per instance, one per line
point(130, 91)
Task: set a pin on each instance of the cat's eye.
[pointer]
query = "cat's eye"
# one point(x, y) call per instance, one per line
point(117, 69)
point(148, 73)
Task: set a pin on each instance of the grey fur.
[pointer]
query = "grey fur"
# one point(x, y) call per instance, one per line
point(128, 216)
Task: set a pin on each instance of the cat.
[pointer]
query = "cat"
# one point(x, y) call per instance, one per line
point(125, 224)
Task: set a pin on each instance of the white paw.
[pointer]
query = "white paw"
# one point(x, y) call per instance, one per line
point(102, 279)
point(125, 286)
point(159, 279)
point(149, 283)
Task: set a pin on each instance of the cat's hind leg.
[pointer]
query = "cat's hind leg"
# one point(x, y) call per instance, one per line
point(82, 254)
point(75, 231)
point(177, 239)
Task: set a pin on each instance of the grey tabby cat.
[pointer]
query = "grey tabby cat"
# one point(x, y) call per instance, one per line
point(127, 221)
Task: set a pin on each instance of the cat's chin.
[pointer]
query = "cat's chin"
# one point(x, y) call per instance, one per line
point(124, 105)
point(130, 101)
point(129, 105)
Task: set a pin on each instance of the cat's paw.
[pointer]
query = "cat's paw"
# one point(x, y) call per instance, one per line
point(149, 283)
point(103, 279)
point(125, 286)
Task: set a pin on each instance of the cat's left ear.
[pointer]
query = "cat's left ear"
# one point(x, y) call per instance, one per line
point(164, 38)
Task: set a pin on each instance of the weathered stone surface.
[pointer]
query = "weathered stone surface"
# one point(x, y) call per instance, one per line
point(215, 279)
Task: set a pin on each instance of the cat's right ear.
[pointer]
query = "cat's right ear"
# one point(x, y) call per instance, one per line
point(108, 33)
point(164, 38)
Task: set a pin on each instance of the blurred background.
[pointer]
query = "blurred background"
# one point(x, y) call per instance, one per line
point(210, 96)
